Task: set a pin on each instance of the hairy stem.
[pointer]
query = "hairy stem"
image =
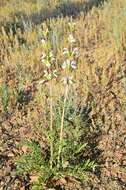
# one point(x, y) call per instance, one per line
point(62, 125)
point(51, 126)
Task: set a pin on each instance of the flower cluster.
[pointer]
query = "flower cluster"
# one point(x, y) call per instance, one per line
point(70, 54)
point(71, 58)
point(47, 59)
point(71, 39)
point(71, 26)
point(67, 80)
point(50, 74)
point(73, 53)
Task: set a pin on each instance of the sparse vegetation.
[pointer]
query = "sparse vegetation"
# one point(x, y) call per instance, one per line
point(62, 94)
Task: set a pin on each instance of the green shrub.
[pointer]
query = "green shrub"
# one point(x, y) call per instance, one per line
point(72, 161)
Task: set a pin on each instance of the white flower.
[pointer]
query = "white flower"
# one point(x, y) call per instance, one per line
point(47, 59)
point(67, 80)
point(71, 26)
point(71, 39)
point(43, 56)
point(43, 41)
point(46, 62)
point(55, 73)
point(47, 75)
point(75, 51)
point(51, 56)
point(73, 64)
point(50, 75)
point(66, 64)
point(65, 51)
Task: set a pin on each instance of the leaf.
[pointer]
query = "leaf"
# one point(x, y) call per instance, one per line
point(80, 148)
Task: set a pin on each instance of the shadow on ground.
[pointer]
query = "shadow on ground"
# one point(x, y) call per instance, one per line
point(65, 9)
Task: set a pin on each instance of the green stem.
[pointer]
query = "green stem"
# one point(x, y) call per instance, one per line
point(51, 126)
point(62, 126)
